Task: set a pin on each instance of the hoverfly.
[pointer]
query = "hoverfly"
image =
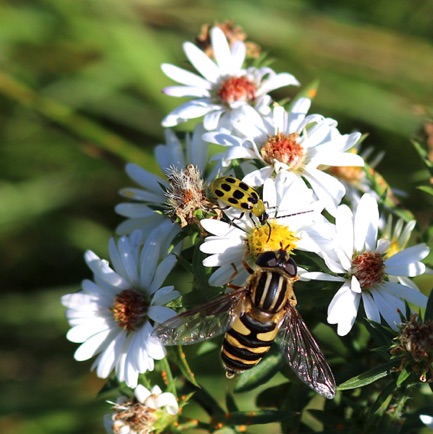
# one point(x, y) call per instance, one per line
point(251, 317)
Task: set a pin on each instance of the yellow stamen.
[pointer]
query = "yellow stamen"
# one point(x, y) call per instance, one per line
point(259, 240)
point(393, 248)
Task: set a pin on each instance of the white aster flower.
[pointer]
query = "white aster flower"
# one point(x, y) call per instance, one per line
point(142, 414)
point(223, 89)
point(296, 144)
point(150, 210)
point(111, 315)
point(299, 225)
point(368, 274)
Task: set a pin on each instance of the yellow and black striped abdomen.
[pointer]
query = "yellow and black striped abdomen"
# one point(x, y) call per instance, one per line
point(247, 342)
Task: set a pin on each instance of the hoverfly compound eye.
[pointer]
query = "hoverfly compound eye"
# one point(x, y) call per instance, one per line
point(267, 259)
point(291, 268)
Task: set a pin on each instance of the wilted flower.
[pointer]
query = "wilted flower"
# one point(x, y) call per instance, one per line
point(148, 411)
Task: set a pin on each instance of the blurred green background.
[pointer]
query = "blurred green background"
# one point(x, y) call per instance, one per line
point(80, 95)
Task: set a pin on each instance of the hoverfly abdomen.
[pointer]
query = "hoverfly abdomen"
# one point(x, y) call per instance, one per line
point(246, 343)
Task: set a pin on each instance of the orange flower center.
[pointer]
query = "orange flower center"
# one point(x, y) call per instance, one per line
point(283, 148)
point(369, 269)
point(237, 89)
point(129, 309)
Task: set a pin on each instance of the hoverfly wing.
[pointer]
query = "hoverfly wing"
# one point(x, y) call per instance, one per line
point(202, 322)
point(304, 356)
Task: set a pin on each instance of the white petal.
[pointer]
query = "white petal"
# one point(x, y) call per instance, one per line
point(170, 154)
point(106, 361)
point(185, 77)
point(238, 53)
point(160, 314)
point(219, 228)
point(406, 293)
point(258, 177)
point(202, 63)
point(355, 285)
point(370, 307)
point(90, 327)
point(134, 210)
point(427, 420)
point(211, 119)
point(214, 245)
point(168, 401)
point(328, 189)
point(149, 259)
point(182, 91)
point(275, 81)
point(144, 178)
point(141, 393)
point(343, 309)
point(189, 110)
point(221, 50)
point(163, 270)
point(389, 306)
point(405, 262)
point(340, 159)
point(344, 235)
point(224, 274)
point(297, 115)
point(94, 345)
point(366, 223)
point(318, 275)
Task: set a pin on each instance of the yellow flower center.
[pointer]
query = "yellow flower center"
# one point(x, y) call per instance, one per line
point(393, 248)
point(270, 237)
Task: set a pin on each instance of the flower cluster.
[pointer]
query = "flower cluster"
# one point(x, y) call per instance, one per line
point(286, 154)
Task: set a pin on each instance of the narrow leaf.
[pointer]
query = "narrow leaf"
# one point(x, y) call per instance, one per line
point(177, 356)
point(426, 189)
point(428, 316)
point(402, 376)
point(382, 398)
point(260, 374)
point(251, 417)
point(369, 377)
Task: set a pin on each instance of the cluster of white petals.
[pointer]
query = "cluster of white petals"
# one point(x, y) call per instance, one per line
point(91, 312)
point(284, 152)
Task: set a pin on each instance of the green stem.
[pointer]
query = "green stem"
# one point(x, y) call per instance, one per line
point(170, 380)
point(65, 117)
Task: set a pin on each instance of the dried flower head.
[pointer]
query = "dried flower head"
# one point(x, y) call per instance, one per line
point(233, 33)
point(414, 345)
point(187, 200)
point(146, 412)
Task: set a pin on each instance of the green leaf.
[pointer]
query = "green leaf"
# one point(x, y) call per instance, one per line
point(402, 376)
point(426, 189)
point(251, 417)
point(260, 374)
point(231, 404)
point(423, 153)
point(382, 335)
point(177, 356)
point(370, 376)
point(428, 315)
point(273, 396)
point(382, 399)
